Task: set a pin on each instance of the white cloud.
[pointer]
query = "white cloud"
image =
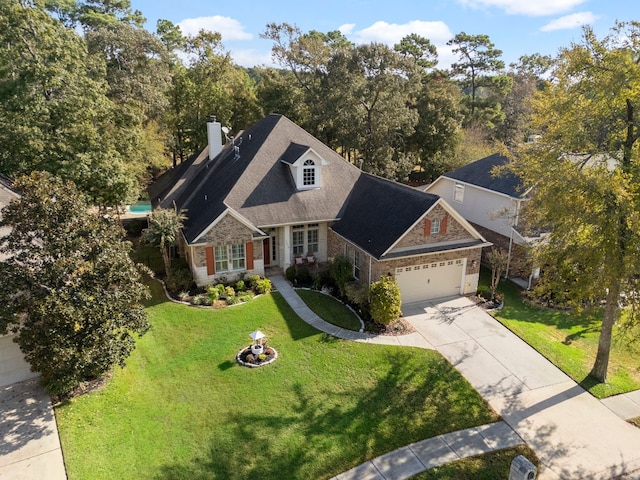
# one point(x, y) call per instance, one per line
point(392, 33)
point(568, 22)
point(526, 7)
point(251, 58)
point(347, 28)
point(437, 32)
point(229, 28)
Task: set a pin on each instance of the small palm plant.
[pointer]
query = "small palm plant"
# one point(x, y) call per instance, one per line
point(164, 225)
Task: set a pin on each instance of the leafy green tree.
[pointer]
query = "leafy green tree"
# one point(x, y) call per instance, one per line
point(479, 70)
point(369, 88)
point(209, 84)
point(419, 49)
point(498, 260)
point(527, 78)
point(54, 112)
point(586, 174)
point(385, 300)
point(438, 132)
point(163, 231)
point(69, 289)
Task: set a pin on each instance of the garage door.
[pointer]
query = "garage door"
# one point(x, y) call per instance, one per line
point(430, 280)
point(13, 367)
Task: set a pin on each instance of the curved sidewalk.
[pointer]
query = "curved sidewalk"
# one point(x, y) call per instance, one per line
point(420, 456)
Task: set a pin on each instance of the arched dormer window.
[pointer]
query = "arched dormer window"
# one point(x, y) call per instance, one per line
point(309, 173)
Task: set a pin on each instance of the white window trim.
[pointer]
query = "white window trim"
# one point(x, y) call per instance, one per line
point(458, 193)
point(435, 226)
point(228, 249)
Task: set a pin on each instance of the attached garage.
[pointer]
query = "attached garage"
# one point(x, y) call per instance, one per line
point(13, 367)
point(428, 281)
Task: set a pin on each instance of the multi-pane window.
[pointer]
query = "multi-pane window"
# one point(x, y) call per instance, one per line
point(297, 242)
point(356, 265)
point(222, 258)
point(237, 257)
point(309, 173)
point(312, 238)
point(435, 226)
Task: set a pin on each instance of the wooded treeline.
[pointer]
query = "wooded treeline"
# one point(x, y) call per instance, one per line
point(89, 94)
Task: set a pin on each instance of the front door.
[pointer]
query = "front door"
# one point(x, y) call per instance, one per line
point(266, 252)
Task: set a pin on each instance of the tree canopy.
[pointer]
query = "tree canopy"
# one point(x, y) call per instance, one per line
point(69, 289)
point(585, 171)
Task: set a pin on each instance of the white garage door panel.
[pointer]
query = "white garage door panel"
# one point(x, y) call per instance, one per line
point(13, 367)
point(430, 280)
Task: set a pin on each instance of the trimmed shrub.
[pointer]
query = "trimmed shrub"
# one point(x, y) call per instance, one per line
point(357, 293)
point(303, 275)
point(290, 274)
point(213, 292)
point(385, 301)
point(253, 280)
point(201, 299)
point(263, 286)
point(240, 286)
point(229, 292)
point(181, 277)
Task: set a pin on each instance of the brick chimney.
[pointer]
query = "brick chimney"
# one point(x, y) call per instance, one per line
point(214, 135)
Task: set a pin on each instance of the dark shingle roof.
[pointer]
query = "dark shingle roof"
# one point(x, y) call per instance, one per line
point(259, 186)
point(480, 173)
point(379, 211)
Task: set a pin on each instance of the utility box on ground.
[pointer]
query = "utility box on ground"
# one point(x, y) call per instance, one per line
point(522, 469)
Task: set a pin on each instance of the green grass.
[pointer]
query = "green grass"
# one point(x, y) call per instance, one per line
point(330, 309)
point(569, 341)
point(491, 466)
point(183, 408)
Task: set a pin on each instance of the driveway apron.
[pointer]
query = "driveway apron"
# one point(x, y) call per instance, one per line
point(575, 435)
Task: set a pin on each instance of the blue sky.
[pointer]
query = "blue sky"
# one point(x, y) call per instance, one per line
point(517, 27)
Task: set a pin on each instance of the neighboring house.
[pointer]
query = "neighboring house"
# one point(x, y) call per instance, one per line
point(492, 203)
point(276, 196)
point(13, 367)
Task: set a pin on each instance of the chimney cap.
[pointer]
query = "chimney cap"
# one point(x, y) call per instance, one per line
point(212, 118)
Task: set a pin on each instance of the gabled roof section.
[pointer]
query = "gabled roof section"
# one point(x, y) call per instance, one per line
point(294, 152)
point(249, 177)
point(380, 211)
point(479, 173)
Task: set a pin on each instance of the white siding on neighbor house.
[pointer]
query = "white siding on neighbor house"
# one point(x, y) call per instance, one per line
point(488, 209)
point(13, 367)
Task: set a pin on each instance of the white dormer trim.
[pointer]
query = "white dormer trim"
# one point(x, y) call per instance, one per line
point(307, 170)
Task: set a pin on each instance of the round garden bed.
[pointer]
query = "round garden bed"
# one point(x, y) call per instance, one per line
point(254, 359)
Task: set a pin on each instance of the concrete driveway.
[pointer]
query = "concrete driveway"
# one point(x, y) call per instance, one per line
point(29, 443)
point(575, 435)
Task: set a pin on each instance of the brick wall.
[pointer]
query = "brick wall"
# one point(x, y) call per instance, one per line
point(382, 268)
point(520, 265)
point(416, 236)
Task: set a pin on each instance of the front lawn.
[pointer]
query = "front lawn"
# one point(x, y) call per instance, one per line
point(184, 409)
point(490, 466)
point(330, 309)
point(569, 341)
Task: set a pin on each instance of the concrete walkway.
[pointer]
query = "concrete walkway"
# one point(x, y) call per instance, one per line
point(29, 443)
point(575, 435)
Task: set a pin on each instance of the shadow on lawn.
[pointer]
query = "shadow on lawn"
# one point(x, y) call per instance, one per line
point(324, 433)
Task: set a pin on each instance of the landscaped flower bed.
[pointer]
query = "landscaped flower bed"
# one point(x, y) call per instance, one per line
point(248, 359)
